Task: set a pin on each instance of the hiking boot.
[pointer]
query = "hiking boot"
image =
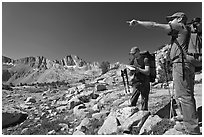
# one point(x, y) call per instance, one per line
point(194, 132)
point(181, 128)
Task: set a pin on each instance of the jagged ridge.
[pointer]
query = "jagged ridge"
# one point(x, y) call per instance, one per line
point(41, 69)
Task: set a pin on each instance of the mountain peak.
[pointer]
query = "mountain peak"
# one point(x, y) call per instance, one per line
point(7, 60)
point(72, 60)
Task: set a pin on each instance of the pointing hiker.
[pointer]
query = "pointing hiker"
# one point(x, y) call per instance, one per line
point(140, 81)
point(183, 73)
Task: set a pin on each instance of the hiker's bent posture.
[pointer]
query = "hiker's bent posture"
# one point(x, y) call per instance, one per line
point(140, 81)
point(183, 73)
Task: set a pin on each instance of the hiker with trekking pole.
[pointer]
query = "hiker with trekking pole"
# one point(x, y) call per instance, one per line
point(184, 64)
point(139, 69)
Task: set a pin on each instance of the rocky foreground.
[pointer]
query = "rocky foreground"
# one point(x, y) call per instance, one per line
point(87, 109)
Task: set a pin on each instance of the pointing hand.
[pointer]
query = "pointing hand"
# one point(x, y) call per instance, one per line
point(132, 22)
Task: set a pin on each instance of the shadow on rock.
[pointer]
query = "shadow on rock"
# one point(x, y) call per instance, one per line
point(165, 111)
point(199, 112)
point(9, 120)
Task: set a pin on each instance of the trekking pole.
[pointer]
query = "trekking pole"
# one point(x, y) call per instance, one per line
point(171, 101)
point(171, 107)
point(171, 97)
point(122, 75)
point(127, 82)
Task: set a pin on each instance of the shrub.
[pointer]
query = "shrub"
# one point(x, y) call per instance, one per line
point(105, 66)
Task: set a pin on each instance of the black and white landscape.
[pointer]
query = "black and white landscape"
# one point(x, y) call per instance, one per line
point(73, 97)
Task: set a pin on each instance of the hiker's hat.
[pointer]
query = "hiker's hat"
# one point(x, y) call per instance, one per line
point(177, 15)
point(134, 50)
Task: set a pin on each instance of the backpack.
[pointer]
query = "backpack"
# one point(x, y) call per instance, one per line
point(152, 63)
point(194, 52)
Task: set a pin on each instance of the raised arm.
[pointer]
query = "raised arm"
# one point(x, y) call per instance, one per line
point(150, 24)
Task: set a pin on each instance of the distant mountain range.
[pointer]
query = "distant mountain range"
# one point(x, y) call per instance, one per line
point(40, 69)
point(70, 69)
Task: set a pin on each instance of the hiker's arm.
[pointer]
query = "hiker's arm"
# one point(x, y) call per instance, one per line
point(132, 72)
point(146, 70)
point(150, 24)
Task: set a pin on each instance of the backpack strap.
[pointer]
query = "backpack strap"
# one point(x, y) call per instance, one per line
point(182, 57)
point(174, 40)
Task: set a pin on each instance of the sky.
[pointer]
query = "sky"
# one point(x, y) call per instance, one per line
point(94, 31)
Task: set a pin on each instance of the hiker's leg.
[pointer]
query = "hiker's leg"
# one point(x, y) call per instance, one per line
point(178, 103)
point(135, 95)
point(145, 96)
point(184, 90)
point(179, 114)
